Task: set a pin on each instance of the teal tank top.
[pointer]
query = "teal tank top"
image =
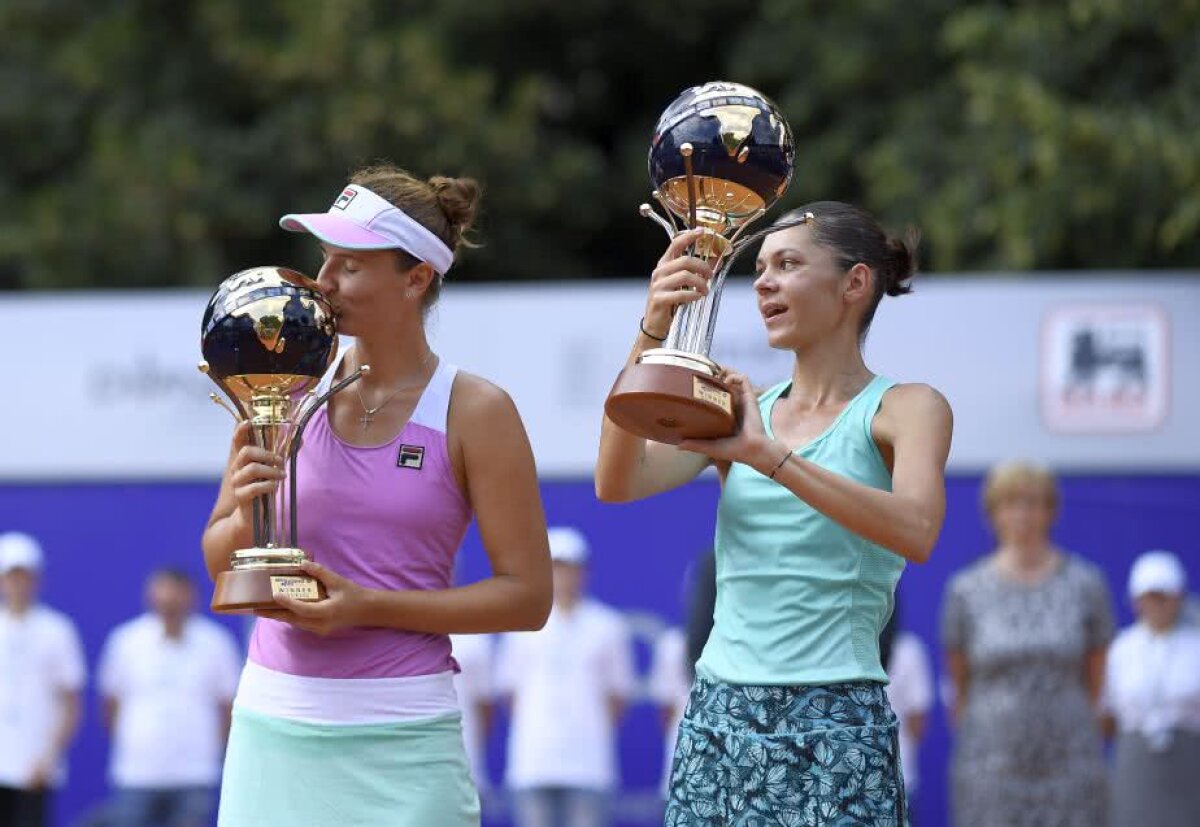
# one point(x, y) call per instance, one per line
point(800, 599)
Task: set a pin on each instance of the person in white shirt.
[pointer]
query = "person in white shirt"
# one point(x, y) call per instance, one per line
point(1152, 694)
point(568, 684)
point(670, 683)
point(42, 673)
point(168, 678)
point(910, 692)
point(473, 685)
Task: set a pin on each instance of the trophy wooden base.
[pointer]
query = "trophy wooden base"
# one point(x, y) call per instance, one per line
point(670, 403)
point(241, 591)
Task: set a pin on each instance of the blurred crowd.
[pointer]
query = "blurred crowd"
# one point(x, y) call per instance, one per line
point(1036, 680)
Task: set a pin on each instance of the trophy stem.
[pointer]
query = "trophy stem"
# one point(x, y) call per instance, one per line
point(298, 438)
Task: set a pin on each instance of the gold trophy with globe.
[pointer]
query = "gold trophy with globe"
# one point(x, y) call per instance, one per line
point(268, 336)
point(721, 156)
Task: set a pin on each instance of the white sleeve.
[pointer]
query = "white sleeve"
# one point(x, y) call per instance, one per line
point(475, 680)
point(666, 667)
point(109, 671)
point(911, 689)
point(227, 666)
point(1114, 668)
point(71, 669)
point(508, 663)
point(618, 660)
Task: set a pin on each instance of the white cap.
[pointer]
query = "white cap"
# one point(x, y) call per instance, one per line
point(1157, 571)
point(19, 551)
point(567, 545)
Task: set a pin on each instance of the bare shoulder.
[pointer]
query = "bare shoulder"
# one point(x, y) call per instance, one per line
point(480, 409)
point(912, 406)
point(914, 400)
point(474, 396)
point(915, 396)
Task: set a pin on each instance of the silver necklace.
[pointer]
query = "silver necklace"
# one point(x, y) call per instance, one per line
point(369, 413)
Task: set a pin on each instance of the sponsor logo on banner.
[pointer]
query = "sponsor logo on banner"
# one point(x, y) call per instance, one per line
point(1105, 368)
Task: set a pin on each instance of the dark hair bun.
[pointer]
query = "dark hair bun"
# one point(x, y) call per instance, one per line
point(458, 199)
point(901, 263)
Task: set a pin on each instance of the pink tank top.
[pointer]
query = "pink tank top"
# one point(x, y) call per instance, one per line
point(387, 517)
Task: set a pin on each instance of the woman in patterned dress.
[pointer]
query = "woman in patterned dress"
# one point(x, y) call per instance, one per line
point(1025, 631)
point(833, 480)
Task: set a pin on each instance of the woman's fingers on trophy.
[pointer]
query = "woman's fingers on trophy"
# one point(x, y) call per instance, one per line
point(679, 245)
point(681, 281)
point(242, 434)
point(257, 471)
point(252, 454)
point(251, 491)
point(687, 264)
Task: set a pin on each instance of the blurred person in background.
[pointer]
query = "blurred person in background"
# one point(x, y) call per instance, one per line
point(1025, 632)
point(568, 684)
point(474, 685)
point(1153, 696)
point(346, 712)
point(702, 603)
point(673, 667)
point(42, 674)
point(834, 479)
point(167, 678)
point(910, 690)
point(669, 684)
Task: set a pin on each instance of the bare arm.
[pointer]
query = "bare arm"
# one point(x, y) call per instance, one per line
point(914, 420)
point(69, 708)
point(224, 721)
point(501, 484)
point(629, 467)
point(915, 724)
point(112, 708)
point(249, 473)
point(956, 667)
point(1094, 667)
point(616, 709)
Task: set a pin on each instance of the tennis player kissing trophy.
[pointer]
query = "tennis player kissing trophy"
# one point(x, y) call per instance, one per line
point(268, 336)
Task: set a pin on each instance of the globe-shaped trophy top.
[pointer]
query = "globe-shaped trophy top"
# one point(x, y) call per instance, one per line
point(268, 331)
point(741, 154)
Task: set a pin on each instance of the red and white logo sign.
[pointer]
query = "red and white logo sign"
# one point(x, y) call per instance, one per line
point(344, 199)
point(1105, 368)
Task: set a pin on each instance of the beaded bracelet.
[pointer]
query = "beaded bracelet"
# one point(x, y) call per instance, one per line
point(648, 334)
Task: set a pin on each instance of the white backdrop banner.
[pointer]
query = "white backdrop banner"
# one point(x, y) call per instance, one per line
point(1082, 373)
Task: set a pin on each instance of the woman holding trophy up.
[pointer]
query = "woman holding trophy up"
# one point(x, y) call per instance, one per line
point(346, 712)
point(831, 481)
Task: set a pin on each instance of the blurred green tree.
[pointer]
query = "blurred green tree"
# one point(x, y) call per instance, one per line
point(1017, 135)
point(151, 144)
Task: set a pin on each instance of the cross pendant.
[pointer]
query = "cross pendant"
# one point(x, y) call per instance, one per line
point(365, 421)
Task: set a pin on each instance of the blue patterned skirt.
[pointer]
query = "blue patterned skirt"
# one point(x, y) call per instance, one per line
point(759, 756)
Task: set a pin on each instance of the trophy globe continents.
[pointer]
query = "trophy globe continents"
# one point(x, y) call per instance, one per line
point(721, 156)
point(268, 336)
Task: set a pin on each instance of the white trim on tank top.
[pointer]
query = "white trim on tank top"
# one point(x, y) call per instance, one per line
point(433, 408)
point(345, 700)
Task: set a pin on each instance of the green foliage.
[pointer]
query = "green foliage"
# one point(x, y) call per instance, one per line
point(155, 144)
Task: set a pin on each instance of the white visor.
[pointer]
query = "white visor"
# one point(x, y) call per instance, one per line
point(361, 220)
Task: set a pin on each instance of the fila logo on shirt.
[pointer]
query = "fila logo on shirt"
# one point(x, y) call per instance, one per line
point(411, 456)
point(344, 199)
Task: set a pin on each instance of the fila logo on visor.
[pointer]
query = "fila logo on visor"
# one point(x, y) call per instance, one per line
point(344, 199)
point(411, 456)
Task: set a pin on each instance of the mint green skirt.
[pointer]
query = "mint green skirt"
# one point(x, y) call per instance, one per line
point(280, 772)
